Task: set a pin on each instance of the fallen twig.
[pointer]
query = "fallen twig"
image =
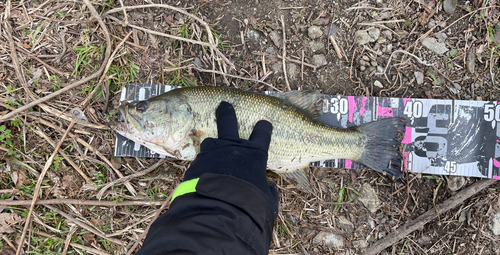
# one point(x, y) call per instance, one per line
point(38, 185)
point(76, 84)
point(167, 202)
point(287, 59)
point(212, 44)
point(235, 76)
point(336, 47)
point(129, 177)
point(82, 202)
point(65, 156)
point(108, 64)
point(420, 221)
point(418, 59)
point(284, 53)
point(79, 246)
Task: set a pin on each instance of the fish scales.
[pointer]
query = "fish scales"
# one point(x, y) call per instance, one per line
point(296, 140)
point(175, 123)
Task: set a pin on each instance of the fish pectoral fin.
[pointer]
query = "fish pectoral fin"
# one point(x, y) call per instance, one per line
point(307, 100)
point(298, 178)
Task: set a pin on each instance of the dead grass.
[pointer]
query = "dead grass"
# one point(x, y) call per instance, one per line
point(61, 186)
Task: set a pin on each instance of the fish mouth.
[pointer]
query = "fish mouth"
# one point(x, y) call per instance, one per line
point(121, 125)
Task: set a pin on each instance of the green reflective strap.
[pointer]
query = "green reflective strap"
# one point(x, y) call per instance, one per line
point(184, 188)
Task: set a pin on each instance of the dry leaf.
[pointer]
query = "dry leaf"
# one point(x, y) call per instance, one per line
point(7, 220)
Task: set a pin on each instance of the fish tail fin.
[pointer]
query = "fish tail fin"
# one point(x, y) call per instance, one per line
point(382, 145)
point(298, 178)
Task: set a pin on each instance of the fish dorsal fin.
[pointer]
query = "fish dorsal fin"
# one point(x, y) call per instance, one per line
point(307, 100)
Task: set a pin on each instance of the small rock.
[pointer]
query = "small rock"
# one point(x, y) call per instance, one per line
point(197, 63)
point(420, 78)
point(276, 38)
point(401, 34)
point(362, 37)
point(441, 36)
point(379, 1)
point(308, 231)
point(253, 36)
point(277, 67)
point(319, 60)
point(435, 46)
point(442, 24)
point(329, 239)
point(362, 68)
point(377, 46)
point(360, 244)
point(374, 63)
point(362, 62)
point(316, 46)
point(455, 183)
point(378, 84)
point(292, 71)
point(389, 47)
point(431, 24)
point(270, 50)
point(345, 224)
point(314, 32)
point(381, 40)
point(495, 224)
point(370, 224)
point(423, 240)
point(369, 198)
point(380, 70)
point(331, 31)
point(374, 33)
point(366, 58)
point(387, 34)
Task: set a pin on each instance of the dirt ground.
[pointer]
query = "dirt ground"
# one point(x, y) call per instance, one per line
point(373, 48)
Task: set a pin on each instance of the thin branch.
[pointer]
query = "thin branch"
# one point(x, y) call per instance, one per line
point(430, 215)
point(76, 84)
point(108, 64)
point(37, 187)
point(129, 177)
point(167, 202)
point(79, 246)
point(235, 76)
point(284, 53)
point(82, 202)
point(84, 226)
point(65, 156)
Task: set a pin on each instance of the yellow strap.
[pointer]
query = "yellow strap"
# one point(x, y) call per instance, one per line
point(184, 188)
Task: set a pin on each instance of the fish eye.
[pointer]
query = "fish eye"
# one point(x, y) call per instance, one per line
point(141, 107)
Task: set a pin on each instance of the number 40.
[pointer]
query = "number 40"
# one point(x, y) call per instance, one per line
point(414, 109)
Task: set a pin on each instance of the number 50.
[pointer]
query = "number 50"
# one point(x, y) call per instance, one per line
point(491, 112)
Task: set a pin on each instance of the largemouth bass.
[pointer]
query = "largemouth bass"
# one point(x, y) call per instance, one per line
point(175, 123)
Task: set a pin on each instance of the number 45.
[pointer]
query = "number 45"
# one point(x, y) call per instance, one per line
point(450, 167)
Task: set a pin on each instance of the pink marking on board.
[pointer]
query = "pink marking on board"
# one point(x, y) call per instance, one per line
point(384, 111)
point(498, 141)
point(348, 163)
point(496, 177)
point(352, 107)
point(406, 100)
point(496, 163)
point(407, 137)
point(363, 106)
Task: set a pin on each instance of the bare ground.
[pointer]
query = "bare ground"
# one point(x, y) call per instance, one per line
point(47, 46)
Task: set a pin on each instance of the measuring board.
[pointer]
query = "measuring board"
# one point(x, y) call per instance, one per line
point(446, 137)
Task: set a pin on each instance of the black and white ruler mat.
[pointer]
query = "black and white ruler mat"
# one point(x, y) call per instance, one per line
point(447, 137)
